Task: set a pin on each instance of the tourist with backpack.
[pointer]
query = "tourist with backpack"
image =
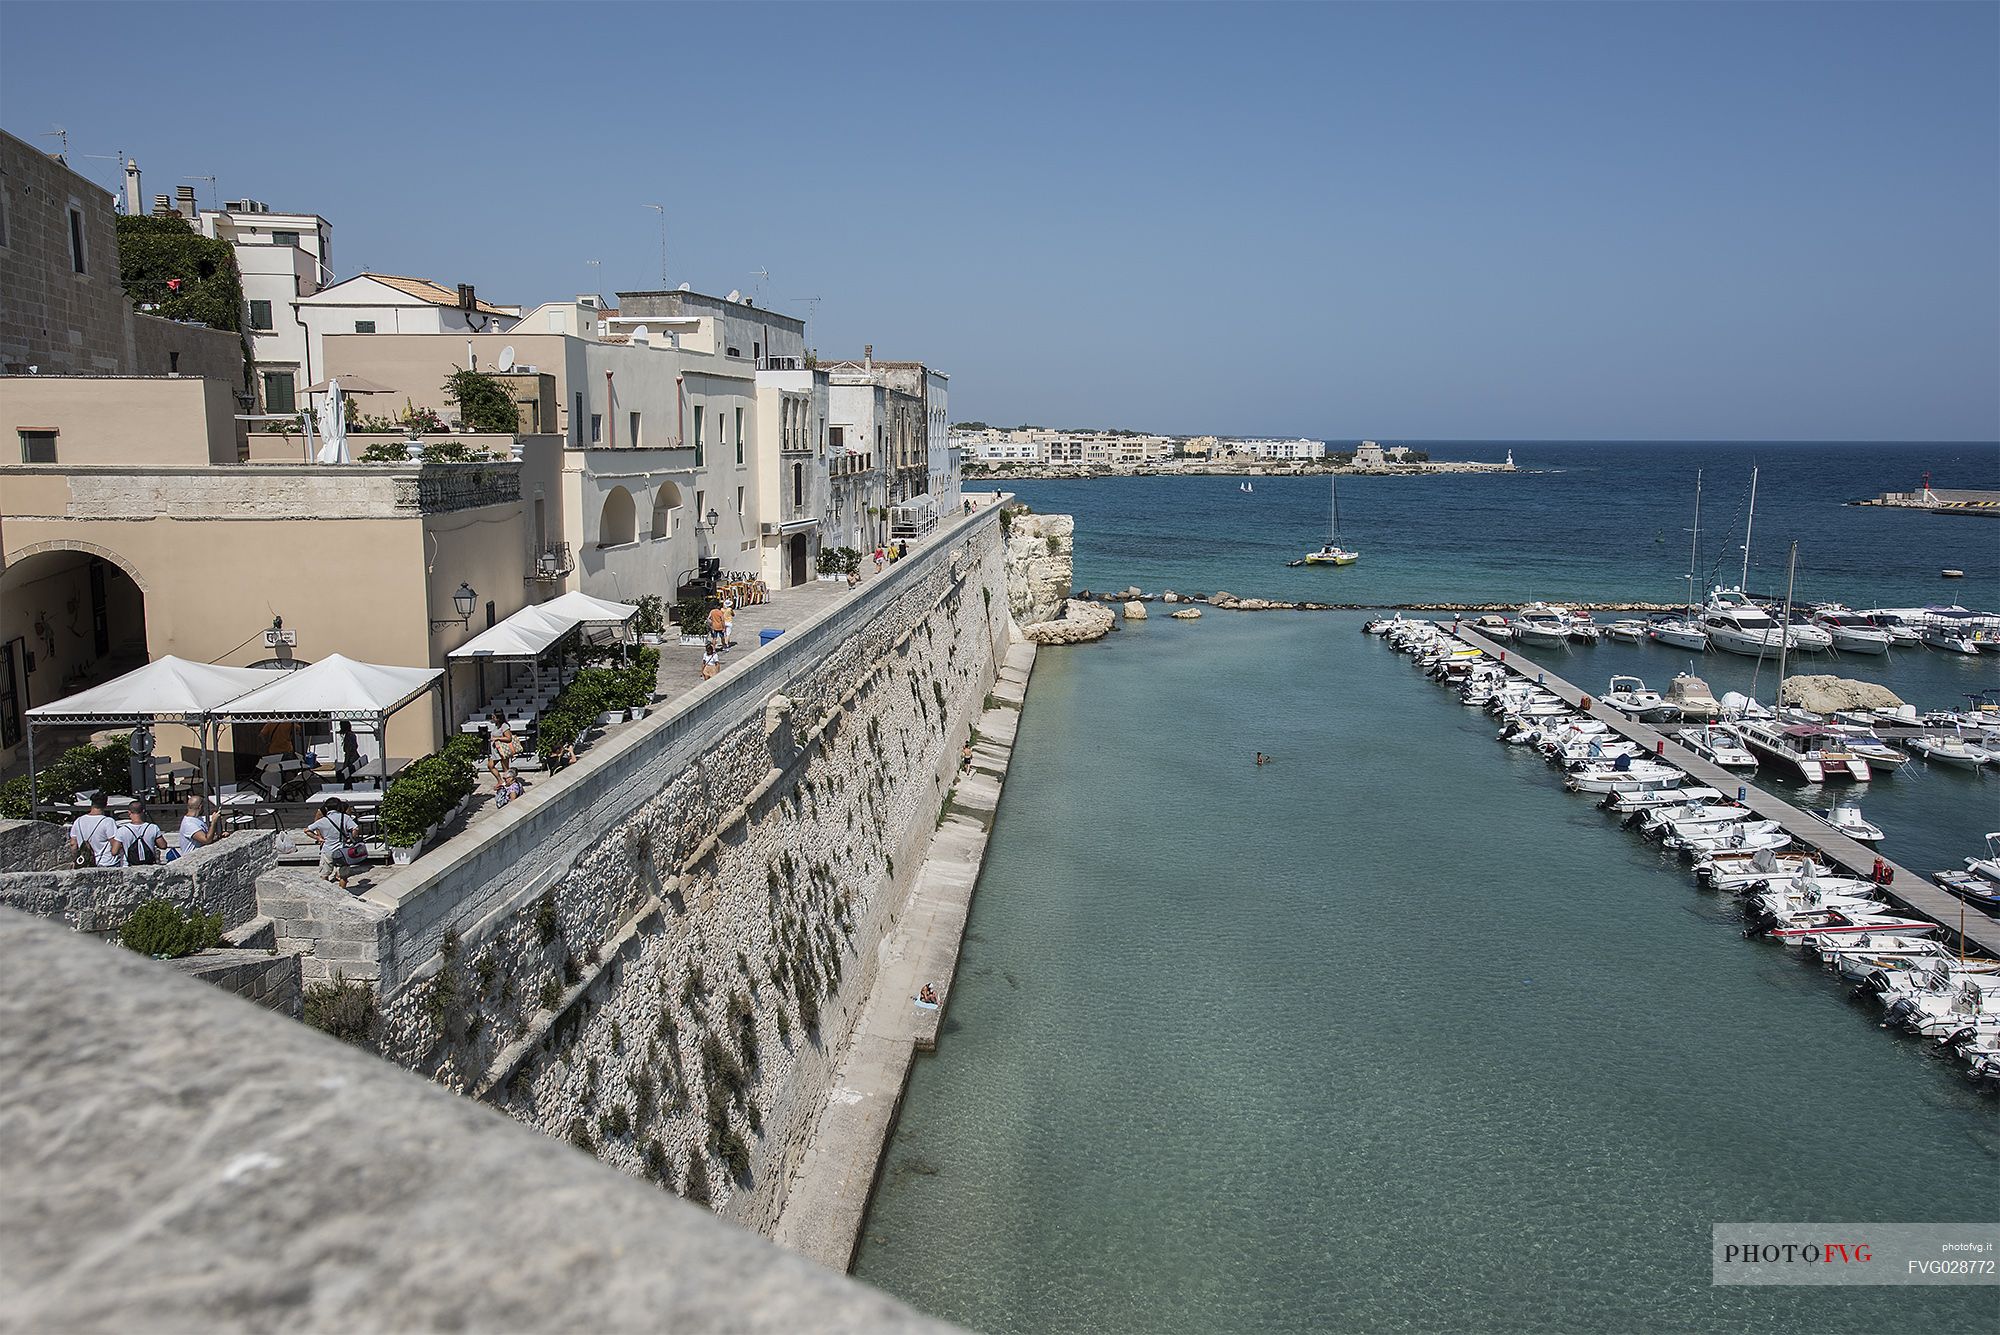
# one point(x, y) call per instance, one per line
point(140, 840)
point(93, 837)
point(339, 840)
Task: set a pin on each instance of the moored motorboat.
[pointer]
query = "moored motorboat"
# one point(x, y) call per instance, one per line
point(1691, 693)
point(1847, 818)
point(1631, 697)
point(1852, 632)
point(1679, 631)
point(1628, 631)
point(1542, 623)
point(1717, 745)
point(1953, 751)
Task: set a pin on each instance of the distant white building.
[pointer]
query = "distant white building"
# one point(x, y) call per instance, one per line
point(380, 303)
point(997, 449)
point(1283, 449)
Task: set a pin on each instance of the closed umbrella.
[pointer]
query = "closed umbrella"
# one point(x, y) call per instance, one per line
point(333, 426)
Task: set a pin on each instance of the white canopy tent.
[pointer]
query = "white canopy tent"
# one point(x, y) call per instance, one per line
point(586, 610)
point(527, 634)
point(336, 687)
point(175, 689)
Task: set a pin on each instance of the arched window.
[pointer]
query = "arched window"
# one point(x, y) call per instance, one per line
point(665, 501)
point(620, 520)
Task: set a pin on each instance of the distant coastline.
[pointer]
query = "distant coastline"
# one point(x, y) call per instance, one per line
point(1247, 469)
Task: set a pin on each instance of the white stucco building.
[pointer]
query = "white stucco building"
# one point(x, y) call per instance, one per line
point(378, 303)
point(1283, 449)
point(283, 257)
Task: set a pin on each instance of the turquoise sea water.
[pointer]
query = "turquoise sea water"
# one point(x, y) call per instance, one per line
point(1394, 1034)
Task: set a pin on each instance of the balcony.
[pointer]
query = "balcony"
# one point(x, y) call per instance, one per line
point(552, 563)
point(787, 364)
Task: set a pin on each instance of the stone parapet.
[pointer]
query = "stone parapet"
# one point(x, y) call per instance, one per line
point(221, 878)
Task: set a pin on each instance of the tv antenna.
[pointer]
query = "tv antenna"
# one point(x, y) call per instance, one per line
point(812, 308)
point(762, 276)
point(118, 196)
point(213, 195)
point(58, 132)
point(661, 209)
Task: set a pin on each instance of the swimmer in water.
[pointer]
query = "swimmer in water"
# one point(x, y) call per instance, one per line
point(1263, 759)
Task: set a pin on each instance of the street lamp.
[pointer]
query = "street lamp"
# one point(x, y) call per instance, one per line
point(464, 600)
point(712, 517)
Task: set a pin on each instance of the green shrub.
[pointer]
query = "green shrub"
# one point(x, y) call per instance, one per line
point(344, 1009)
point(424, 794)
point(579, 1135)
point(384, 452)
point(616, 1123)
point(547, 925)
point(735, 1154)
point(659, 1166)
point(652, 618)
point(691, 615)
point(154, 250)
point(159, 928)
point(482, 401)
point(696, 1188)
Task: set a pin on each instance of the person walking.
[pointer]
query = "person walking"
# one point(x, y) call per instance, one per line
point(710, 664)
point(93, 836)
point(880, 557)
point(350, 754)
point(334, 832)
point(140, 842)
point(718, 627)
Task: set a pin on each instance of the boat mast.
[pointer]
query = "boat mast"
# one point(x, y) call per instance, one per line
point(1743, 583)
point(1694, 543)
point(1785, 635)
point(1333, 511)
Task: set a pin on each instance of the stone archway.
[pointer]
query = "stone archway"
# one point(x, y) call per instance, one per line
point(72, 615)
point(665, 502)
point(618, 522)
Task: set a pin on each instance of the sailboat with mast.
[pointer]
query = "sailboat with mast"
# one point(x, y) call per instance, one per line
point(1332, 554)
point(1683, 632)
point(1811, 753)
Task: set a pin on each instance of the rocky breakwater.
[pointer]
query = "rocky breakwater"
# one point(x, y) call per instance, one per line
point(1079, 623)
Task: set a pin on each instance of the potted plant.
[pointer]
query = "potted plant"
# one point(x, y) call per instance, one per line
point(652, 620)
point(691, 619)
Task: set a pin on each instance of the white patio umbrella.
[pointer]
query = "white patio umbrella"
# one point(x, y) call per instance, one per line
point(333, 426)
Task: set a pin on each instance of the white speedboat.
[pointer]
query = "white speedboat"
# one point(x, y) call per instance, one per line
point(1680, 632)
point(1631, 697)
point(1718, 746)
point(1583, 630)
point(1632, 803)
point(1833, 923)
point(1801, 636)
point(1953, 751)
point(1694, 818)
point(1734, 870)
point(1975, 998)
point(1882, 758)
point(1622, 775)
point(1741, 837)
point(1543, 624)
point(1949, 638)
point(1628, 631)
point(1846, 818)
point(1903, 625)
point(1852, 632)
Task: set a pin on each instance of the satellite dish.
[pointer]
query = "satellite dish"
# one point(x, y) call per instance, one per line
point(734, 295)
point(506, 362)
point(685, 287)
point(642, 335)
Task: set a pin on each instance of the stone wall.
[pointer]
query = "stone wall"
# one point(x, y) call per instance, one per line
point(700, 907)
point(177, 1161)
point(258, 976)
point(1040, 549)
point(221, 878)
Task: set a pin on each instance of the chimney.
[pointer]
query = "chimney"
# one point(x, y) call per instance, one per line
point(867, 356)
point(466, 301)
point(163, 206)
point(184, 202)
point(135, 199)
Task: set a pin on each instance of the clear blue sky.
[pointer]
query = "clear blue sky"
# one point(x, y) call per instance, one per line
point(1512, 221)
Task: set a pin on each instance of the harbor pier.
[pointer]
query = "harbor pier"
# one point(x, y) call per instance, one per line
point(1907, 888)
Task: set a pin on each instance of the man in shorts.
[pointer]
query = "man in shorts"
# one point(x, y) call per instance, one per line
point(334, 831)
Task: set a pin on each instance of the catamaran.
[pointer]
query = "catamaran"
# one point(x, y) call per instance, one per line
point(1332, 553)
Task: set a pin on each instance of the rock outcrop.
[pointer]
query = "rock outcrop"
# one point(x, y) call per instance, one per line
point(1079, 623)
point(1135, 611)
point(1039, 554)
point(1825, 694)
point(1186, 614)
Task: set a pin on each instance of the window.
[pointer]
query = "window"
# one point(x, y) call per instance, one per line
point(798, 486)
point(363, 326)
point(260, 315)
point(635, 430)
point(280, 392)
point(38, 447)
point(739, 436)
point(700, 508)
point(76, 256)
point(576, 420)
point(173, 362)
point(739, 502)
point(597, 428)
point(836, 437)
point(697, 444)
point(286, 239)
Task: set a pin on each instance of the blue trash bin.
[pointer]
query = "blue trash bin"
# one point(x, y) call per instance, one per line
point(767, 635)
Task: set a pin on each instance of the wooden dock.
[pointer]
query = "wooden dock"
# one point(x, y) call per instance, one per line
point(1908, 889)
